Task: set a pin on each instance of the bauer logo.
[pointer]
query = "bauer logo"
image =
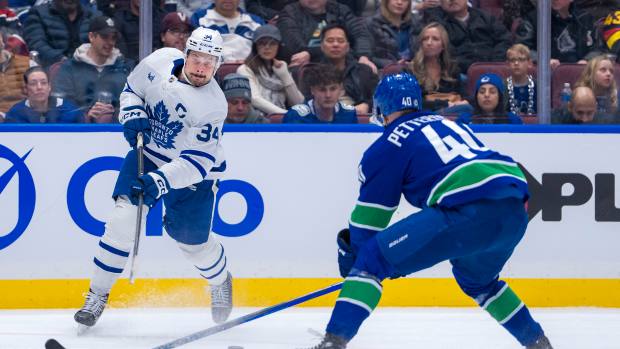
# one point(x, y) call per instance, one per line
point(18, 173)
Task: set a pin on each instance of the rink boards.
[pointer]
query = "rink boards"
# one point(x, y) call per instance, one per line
point(286, 193)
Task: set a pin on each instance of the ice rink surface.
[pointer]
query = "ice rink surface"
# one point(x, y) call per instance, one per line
point(387, 328)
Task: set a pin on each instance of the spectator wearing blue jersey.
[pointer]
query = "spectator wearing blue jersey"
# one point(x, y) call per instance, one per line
point(325, 82)
point(39, 106)
point(234, 24)
point(489, 103)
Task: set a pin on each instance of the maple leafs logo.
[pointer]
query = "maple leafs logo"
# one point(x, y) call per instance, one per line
point(162, 131)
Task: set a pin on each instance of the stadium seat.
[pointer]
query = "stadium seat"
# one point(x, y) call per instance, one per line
point(53, 70)
point(275, 118)
point(226, 69)
point(363, 118)
point(565, 72)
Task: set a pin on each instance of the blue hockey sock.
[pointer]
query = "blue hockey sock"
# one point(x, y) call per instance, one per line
point(506, 307)
point(359, 296)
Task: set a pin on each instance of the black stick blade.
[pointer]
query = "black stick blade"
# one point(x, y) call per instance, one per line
point(53, 344)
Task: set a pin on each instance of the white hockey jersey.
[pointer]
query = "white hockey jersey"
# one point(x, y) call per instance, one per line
point(186, 121)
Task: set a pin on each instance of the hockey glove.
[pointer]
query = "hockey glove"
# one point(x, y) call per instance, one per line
point(131, 128)
point(152, 185)
point(346, 257)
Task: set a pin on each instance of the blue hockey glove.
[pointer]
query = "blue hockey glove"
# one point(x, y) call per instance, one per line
point(152, 185)
point(131, 128)
point(346, 257)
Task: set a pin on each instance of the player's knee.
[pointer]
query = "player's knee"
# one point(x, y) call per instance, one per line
point(205, 253)
point(371, 260)
point(480, 291)
point(120, 226)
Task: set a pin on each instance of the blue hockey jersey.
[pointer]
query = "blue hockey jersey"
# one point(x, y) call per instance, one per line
point(431, 161)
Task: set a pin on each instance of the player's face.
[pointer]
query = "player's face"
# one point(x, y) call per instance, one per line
point(326, 97)
point(397, 7)
point(199, 67)
point(488, 98)
point(518, 63)
point(267, 48)
point(432, 46)
point(174, 38)
point(238, 109)
point(103, 44)
point(604, 74)
point(335, 44)
point(38, 87)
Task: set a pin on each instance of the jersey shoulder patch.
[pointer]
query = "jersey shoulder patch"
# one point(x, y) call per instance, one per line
point(301, 109)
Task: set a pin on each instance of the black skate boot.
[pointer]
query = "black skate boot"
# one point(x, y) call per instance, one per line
point(221, 300)
point(541, 343)
point(92, 309)
point(331, 341)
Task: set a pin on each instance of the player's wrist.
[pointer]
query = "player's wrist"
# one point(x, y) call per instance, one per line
point(160, 182)
point(131, 113)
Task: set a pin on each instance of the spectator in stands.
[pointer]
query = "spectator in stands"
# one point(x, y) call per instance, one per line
point(303, 22)
point(273, 87)
point(362, 8)
point(582, 109)
point(11, 25)
point(190, 6)
point(128, 25)
point(359, 79)
point(94, 78)
point(520, 85)
point(325, 82)
point(489, 103)
point(573, 36)
point(12, 68)
point(57, 29)
point(39, 106)
point(268, 10)
point(236, 88)
point(475, 35)
point(394, 32)
point(515, 11)
point(234, 24)
point(599, 76)
point(418, 6)
point(437, 72)
point(175, 30)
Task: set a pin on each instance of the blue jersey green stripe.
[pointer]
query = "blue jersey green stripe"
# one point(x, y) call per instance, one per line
point(471, 175)
point(362, 292)
point(371, 216)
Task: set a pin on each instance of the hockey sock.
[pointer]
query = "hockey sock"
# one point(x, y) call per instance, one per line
point(109, 263)
point(209, 258)
point(506, 307)
point(359, 296)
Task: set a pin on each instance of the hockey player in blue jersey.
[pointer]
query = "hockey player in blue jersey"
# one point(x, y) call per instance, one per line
point(472, 214)
point(173, 99)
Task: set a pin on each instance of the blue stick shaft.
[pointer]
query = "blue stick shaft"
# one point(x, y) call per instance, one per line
point(249, 317)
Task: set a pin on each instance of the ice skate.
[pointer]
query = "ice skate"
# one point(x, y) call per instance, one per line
point(541, 343)
point(331, 341)
point(91, 311)
point(221, 300)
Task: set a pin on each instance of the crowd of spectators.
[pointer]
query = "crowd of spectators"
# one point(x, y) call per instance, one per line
point(313, 61)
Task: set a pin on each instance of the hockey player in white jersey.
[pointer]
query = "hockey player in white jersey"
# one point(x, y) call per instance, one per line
point(173, 99)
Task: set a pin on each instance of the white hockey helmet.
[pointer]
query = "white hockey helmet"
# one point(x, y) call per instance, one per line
point(208, 41)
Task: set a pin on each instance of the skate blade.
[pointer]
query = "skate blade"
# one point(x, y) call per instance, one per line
point(82, 329)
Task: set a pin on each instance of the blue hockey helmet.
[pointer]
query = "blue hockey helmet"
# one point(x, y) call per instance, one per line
point(396, 92)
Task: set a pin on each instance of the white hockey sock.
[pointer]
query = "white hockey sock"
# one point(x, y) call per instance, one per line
point(209, 258)
point(115, 246)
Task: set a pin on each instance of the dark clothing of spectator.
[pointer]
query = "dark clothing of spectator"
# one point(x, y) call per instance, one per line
point(60, 111)
point(357, 6)
point(515, 11)
point(50, 32)
point(80, 81)
point(128, 25)
point(267, 9)
point(359, 81)
point(302, 30)
point(388, 40)
point(572, 39)
point(562, 116)
point(445, 86)
point(306, 114)
point(483, 38)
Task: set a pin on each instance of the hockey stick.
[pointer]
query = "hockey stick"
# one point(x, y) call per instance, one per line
point(249, 317)
point(136, 243)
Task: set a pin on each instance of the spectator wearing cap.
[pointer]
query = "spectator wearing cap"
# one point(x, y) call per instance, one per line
point(12, 68)
point(39, 106)
point(236, 88)
point(128, 25)
point(175, 30)
point(234, 24)
point(489, 103)
point(94, 78)
point(273, 87)
point(57, 28)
